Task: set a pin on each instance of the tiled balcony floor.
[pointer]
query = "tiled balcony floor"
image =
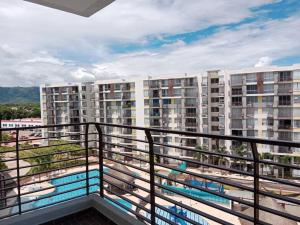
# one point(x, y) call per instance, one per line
point(87, 217)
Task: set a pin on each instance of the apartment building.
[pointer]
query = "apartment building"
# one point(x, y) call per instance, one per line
point(64, 104)
point(116, 104)
point(215, 108)
point(265, 103)
point(172, 103)
point(256, 102)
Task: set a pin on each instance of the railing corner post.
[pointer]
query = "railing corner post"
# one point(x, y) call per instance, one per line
point(18, 172)
point(100, 148)
point(86, 136)
point(256, 182)
point(152, 175)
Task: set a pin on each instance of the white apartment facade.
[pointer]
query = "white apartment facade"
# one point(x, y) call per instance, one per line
point(255, 102)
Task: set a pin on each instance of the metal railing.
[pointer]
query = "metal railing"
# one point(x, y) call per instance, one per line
point(153, 182)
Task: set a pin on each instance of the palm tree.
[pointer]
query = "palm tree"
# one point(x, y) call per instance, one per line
point(240, 151)
point(221, 159)
point(200, 156)
point(286, 160)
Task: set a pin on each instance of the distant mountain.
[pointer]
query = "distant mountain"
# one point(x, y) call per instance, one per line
point(19, 95)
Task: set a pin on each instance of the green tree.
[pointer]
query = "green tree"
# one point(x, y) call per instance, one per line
point(222, 159)
point(43, 163)
point(240, 151)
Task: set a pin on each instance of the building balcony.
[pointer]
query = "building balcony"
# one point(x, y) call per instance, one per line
point(99, 179)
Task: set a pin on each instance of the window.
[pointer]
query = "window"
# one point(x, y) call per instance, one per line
point(236, 112)
point(251, 77)
point(166, 101)
point(237, 101)
point(268, 101)
point(268, 88)
point(221, 100)
point(177, 82)
point(215, 128)
point(297, 86)
point(296, 112)
point(215, 119)
point(285, 124)
point(251, 89)
point(214, 99)
point(191, 92)
point(237, 91)
point(251, 123)
point(190, 101)
point(146, 83)
point(285, 76)
point(215, 90)
point(269, 76)
point(296, 74)
point(296, 98)
point(285, 100)
point(214, 80)
point(237, 79)
point(177, 92)
point(297, 136)
point(297, 123)
point(268, 122)
point(285, 88)
point(164, 83)
point(191, 111)
point(252, 100)
point(237, 132)
point(214, 109)
point(236, 124)
point(252, 133)
point(83, 88)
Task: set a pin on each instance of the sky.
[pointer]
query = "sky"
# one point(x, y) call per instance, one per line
point(139, 38)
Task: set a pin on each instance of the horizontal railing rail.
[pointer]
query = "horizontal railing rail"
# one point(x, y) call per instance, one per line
point(196, 182)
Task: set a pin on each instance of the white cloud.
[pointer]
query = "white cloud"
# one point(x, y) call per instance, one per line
point(264, 61)
point(38, 44)
point(227, 49)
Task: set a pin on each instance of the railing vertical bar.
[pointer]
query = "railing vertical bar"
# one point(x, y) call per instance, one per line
point(100, 148)
point(256, 182)
point(18, 172)
point(152, 175)
point(86, 136)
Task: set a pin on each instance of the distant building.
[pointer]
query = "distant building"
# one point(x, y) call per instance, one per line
point(28, 122)
point(256, 102)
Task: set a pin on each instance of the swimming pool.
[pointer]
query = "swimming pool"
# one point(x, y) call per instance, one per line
point(61, 191)
point(197, 193)
point(183, 212)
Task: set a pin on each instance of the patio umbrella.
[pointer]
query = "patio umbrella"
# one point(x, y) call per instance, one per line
point(120, 175)
point(268, 217)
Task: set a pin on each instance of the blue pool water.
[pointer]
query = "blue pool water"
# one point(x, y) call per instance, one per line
point(183, 212)
point(197, 193)
point(63, 195)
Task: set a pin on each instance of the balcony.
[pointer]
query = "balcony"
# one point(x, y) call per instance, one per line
point(92, 176)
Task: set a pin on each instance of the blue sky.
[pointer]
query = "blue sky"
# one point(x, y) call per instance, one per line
point(274, 11)
point(145, 37)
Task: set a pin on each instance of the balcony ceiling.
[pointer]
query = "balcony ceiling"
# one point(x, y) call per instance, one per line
point(84, 8)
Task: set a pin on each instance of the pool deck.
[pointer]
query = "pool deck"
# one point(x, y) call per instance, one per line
point(189, 202)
